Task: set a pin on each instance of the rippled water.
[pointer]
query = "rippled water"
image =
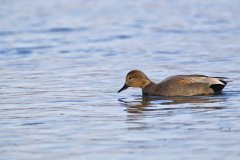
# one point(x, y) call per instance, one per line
point(62, 62)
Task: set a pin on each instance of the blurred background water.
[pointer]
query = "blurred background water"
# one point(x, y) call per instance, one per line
point(62, 62)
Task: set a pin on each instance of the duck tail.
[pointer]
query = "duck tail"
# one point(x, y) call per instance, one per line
point(219, 87)
point(224, 80)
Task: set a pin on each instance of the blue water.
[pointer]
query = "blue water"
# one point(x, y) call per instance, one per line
point(62, 63)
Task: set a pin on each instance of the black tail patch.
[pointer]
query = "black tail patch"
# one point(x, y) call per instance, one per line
point(217, 87)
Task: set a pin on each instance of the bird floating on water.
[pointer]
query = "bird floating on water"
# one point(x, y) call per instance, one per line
point(177, 85)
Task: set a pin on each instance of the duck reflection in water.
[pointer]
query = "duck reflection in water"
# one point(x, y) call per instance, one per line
point(151, 103)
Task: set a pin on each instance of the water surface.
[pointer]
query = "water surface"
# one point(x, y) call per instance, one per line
point(62, 63)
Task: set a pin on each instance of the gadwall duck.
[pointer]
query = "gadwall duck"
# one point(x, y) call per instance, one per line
point(178, 85)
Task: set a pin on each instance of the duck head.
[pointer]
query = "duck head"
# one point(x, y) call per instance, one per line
point(135, 78)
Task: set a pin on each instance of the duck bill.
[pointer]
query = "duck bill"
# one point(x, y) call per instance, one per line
point(123, 88)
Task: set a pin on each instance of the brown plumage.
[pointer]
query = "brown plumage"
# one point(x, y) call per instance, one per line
point(178, 85)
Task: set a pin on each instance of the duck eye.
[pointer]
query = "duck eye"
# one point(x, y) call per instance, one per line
point(130, 78)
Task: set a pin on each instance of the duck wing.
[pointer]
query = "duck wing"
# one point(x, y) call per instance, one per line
point(193, 84)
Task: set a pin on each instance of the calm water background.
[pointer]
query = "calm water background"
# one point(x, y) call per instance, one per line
point(62, 62)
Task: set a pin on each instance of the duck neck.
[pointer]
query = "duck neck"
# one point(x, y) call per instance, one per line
point(149, 88)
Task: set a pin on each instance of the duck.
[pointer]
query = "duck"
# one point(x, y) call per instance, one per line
point(176, 85)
